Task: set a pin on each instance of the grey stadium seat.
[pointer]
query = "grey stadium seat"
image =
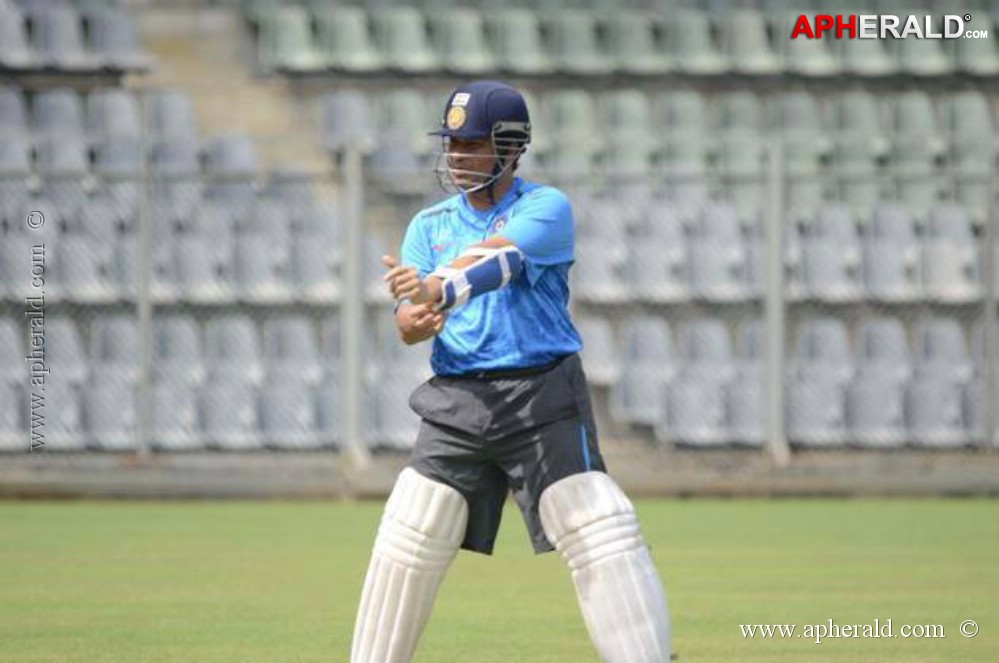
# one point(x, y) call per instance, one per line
point(923, 57)
point(114, 345)
point(950, 267)
point(516, 39)
point(347, 120)
point(57, 35)
point(815, 406)
point(13, 112)
point(328, 403)
point(113, 112)
point(13, 430)
point(831, 256)
point(64, 350)
point(114, 35)
point(228, 411)
point(15, 53)
point(745, 41)
point(598, 274)
point(575, 46)
point(649, 362)
point(875, 409)
point(941, 348)
point(745, 393)
point(177, 350)
point(344, 39)
point(632, 43)
point(718, 263)
point(291, 348)
point(285, 41)
point(259, 268)
point(64, 425)
point(977, 57)
point(459, 36)
point(111, 412)
point(694, 50)
point(79, 272)
point(169, 114)
point(15, 171)
point(599, 355)
point(232, 345)
point(401, 35)
point(891, 255)
point(803, 56)
point(396, 426)
point(12, 351)
point(287, 415)
point(883, 346)
point(58, 111)
point(175, 421)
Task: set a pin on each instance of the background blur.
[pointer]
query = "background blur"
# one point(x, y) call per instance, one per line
point(785, 276)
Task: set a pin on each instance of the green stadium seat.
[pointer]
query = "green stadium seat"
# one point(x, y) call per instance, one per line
point(978, 57)
point(864, 57)
point(633, 45)
point(922, 57)
point(344, 39)
point(574, 44)
point(694, 50)
point(744, 39)
point(285, 42)
point(515, 36)
point(802, 56)
point(460, 38)
point(401, 35)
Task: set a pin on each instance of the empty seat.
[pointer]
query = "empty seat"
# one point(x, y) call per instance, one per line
point(177, 350)
point(314, 270)
point(64, 351)
point(706, 347)
point(977, 57)
point(259, 268)
point(232, 345)
point(950, 256)
point(401, 36)
point(347, 120)
point(13, 111)
point(460, 39)
point(696, 409)
point(12, 351)
point(823, 343)
point(718, 263)
point(884, 348)
point(632, 43)
point(918, 143)
point(694, 50)
point(58, 111)
point(169, 114)
point(15, 171)
point(287, 414)
point(231, 155)
point(865, 57)
point(815, 406)
point(739, 110)
point(344, 38)
point(745, 41)
point(599, 355)
point(113, 34)
point(859, 141)
point(57, 35)
point(113, 112)
point(175, 420)
point(13, 433)
point(803, 56)
point(971, 130)
point(942, 349)
point(891, 255)
point(291, 348)
point(228, 411)
point(649, 362)
point(934, 410)
point(598, 273)
point(657, 266)
point(746, 404)
point(831, 256)
point(80, 272)
point(516, 39)
point(15, 54)
point(742, 166)
point(575, 46)
point(111, 412)
point(115, 344)
point(875, 409)
point(64, 424)
point(922, 57)
point(329, 406)
point(285, 41)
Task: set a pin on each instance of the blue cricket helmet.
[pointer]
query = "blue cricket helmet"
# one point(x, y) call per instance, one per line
point(486, 109)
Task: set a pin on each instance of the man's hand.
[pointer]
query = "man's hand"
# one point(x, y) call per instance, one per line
point(404, 282)
point(418, 322)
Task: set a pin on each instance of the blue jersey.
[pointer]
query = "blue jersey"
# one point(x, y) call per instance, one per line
point(524, 325)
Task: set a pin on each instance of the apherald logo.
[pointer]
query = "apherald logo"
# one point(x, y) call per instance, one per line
point(883, 26)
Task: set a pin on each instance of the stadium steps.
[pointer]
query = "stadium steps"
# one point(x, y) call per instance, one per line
point(183, 39)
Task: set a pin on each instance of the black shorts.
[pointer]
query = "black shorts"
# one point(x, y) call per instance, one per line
point(485, 436)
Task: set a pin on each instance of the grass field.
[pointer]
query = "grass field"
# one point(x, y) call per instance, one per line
point(270, 582)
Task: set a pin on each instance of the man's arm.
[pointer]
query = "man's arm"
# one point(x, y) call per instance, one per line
point(418, 322)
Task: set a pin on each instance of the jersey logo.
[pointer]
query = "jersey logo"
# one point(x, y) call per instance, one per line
point(499, 224)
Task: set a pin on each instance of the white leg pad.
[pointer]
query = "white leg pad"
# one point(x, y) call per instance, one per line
point(420, 533)
point(592, 524)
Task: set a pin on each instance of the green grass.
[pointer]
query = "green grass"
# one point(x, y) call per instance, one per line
point(269, 582)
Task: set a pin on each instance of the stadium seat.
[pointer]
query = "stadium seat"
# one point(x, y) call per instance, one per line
point(803, 56)
point(175, 420)
point(396, 426)
point(170, 115)
point(831, 256)
point(228, 411)
point(747, 407)
point(15, 171)
point(977, 57)
point(459, 36)
point(79, 273)
point(291, 348)
point(110, 406)
point(865, 58)
point(599, 355)
point(687, 145)
point(329, 403)
point(117, 161)
point(64, 425)
point(260, 268)
point(344, 39)
point(516, 39)
point(696, 410)
point(232, 345)
point(740, 110)
point(57, 111)
point(13, 112)
point(402, 37)
point(973, 412)
point(718, 263)
point(875, 409)
point(63, 162)
point(918, 143)
point(13, 432)
point(64, 350)
point(657, 267)
point(689, 32)
point(231, 155)
point(12, 351)
point(285, 44)
point(706, 347)
point(973, 148)
point(113, 112)
point(815, 407)
point(15, 53)
point(922, 57)
point(314, 270)
point(200, 269)
point(113, 34)
point(177, 350)
point(632, 43)
point(742, 169)
point(287, 414)
point(859, 142)
point(745, 42)
point(57, 37)
point(347, 120)
point(598, 275)
point(950, 257)
point(941, 349)
point(883, 347)
point(115, 345)
point(823, 343)
point(575, 47)
point(649, 362)
point(891, 255)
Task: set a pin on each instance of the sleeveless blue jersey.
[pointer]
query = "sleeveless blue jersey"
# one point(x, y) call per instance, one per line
point(524, 325)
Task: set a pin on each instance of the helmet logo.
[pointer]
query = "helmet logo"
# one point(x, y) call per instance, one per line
point(456, 117)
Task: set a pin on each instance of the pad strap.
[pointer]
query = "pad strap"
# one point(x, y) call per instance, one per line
point(493, 269)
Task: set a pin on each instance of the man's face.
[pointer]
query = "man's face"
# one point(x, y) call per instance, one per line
point(470, 160)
